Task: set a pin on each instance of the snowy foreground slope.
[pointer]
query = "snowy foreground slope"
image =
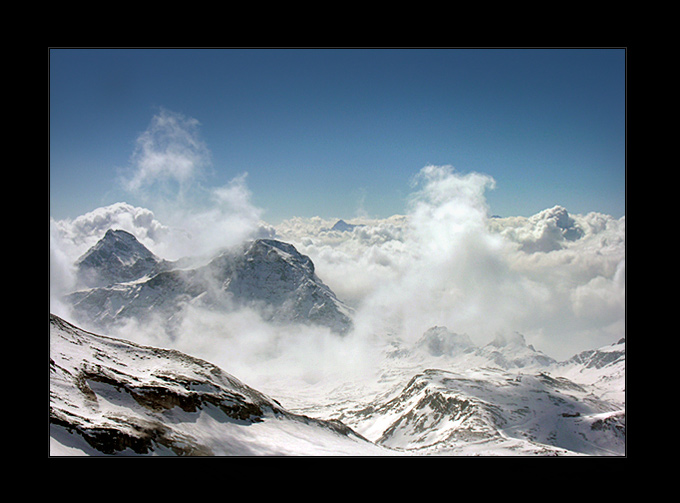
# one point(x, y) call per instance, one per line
point(113, 397)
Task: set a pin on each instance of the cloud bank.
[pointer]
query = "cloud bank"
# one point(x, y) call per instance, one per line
point(555, 277)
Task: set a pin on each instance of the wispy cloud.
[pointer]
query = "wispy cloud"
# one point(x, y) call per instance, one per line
point(169, 151)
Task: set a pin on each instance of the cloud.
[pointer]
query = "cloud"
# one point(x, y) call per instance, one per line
point(555, 277)
point(548, 230)
point(85, 230)
point(62, 272)
point(354, 262)
point(170, 150)
point(451, 267)
point(226, 218)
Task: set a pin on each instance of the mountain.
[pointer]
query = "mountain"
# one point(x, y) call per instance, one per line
point(603, 368)
point(507, 351)
point(116, 258)
point(444, 395)
point(488, 411)
point(112, 397)
point(265, 274)
point(274, 274)
point(438, 341)
point(342, 226)
point(511, 351)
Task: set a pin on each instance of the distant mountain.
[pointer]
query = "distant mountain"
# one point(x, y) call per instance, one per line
point(116, 258)
point(508, 351)
point(342, 226)
point(511, 351)
point(604, 368)
point(438, 341)
point(112, 397)
point(602, 357)
point(266, 274)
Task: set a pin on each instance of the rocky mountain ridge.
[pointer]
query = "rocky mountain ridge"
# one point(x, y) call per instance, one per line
point(268, 275)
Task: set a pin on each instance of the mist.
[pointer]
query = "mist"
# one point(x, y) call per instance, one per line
point(557, 278)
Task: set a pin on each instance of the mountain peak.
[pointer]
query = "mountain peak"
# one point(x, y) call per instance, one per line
point(513, 339)
point(116, 258)
point(118, 243)
point(510, 350)
point(272, 249)
point(265, 274)
point(439, 341)
point(342, 226)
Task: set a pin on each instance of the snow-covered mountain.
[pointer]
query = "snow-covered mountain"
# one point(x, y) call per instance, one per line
point(444, 395)
point(112, 397)
point(441, 394)
point(604, 369)
point(507, 351)
point(342, 226)
point(489, 411)
point(266, 274)
point(116, 258)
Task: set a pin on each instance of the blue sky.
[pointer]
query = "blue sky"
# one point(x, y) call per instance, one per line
point(335, 133)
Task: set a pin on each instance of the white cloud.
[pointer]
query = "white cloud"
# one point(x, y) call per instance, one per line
point(603, 297)
point(170, 150)
point(62, 272)
point(554, 277)
point(85, 230)
point(226, 218)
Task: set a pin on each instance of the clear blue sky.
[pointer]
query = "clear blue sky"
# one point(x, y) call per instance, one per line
point(325, 131)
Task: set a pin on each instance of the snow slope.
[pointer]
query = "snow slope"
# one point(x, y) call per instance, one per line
point(443, 395)
point(604, 369)
point(109, 396)
point(113, 397)
point(445, 412)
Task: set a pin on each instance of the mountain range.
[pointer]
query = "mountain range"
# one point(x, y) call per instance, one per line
point(114, 397)
point(444, 395)
point(125, 280)
point(439, 395)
